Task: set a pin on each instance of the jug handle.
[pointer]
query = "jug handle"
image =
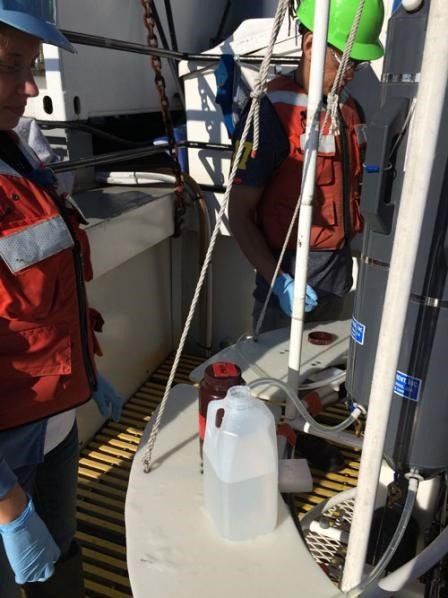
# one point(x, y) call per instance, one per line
point(213, 415)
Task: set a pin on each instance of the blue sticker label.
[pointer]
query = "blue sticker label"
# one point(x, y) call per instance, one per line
point(358, 331)
point(407, 387)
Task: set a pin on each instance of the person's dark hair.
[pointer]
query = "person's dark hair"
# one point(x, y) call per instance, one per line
point(4, 27)
point(303, 29)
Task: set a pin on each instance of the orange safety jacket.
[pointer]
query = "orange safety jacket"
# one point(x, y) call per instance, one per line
point(46, 328)
point(336, 216)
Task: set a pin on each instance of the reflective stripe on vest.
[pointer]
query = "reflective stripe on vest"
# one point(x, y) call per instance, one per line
point(35, 243)
point(288, 97)
point(298, 99)
point(327, 143)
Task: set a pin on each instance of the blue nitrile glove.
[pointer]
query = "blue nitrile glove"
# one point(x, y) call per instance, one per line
point(284, 289)
point(29, 546)
point(108, 401)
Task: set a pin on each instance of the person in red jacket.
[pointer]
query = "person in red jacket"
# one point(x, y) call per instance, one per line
point(47, 342)
point(267, 186)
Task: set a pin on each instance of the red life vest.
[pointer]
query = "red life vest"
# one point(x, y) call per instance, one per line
point(280, 195)
point(46, 337)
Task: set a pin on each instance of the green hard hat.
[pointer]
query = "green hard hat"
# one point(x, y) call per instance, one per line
point(367, 45)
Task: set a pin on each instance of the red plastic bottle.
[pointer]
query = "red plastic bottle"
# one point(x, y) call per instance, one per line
point(217, 380)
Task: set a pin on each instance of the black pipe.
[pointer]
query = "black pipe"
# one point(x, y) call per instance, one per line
point(205, 145)
point(171, 27)
point(85, 39)
point(125, 155)
point(223, 21)
point(94, 131)
point(213, 188)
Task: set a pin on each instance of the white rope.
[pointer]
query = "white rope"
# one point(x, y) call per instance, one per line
point(253, 116)
point(261, 82)
point(333, 96)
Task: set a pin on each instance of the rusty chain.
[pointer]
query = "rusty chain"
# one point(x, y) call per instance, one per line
point(156, 64)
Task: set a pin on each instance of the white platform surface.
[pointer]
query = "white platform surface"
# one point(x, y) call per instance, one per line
point(173, 550)
point(269, 355)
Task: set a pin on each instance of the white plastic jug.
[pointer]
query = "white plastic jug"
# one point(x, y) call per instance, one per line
point(241, 465)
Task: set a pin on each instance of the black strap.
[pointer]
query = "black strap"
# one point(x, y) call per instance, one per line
point(345, 158)
point(11, 153)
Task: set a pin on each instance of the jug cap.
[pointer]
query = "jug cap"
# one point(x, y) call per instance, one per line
point(240, 397)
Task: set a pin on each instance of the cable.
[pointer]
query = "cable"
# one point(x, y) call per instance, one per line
point(303, 410)
point(337, 377)
point(378, 570)
point(414, 568)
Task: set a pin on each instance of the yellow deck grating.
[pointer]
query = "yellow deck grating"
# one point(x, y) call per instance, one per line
point(329, 484)
point(103, 474)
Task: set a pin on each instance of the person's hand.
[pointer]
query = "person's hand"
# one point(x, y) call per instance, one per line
point(284, 290)
point(29, 546)
point(108, 401)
